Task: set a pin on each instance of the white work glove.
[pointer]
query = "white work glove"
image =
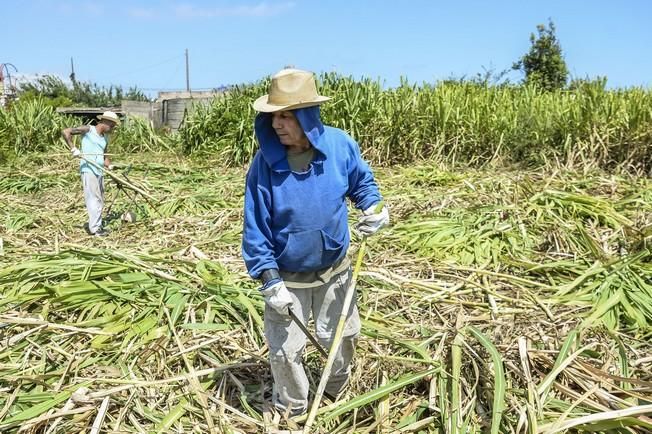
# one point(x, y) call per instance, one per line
point(75, 152)
point(111, 167)
point(277, 296)
point(370, 222)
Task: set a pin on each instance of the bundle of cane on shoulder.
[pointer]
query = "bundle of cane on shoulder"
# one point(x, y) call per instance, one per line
point(123, 183)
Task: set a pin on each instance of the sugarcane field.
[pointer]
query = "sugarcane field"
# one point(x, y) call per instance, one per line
point(500, 299)
point(313, 251)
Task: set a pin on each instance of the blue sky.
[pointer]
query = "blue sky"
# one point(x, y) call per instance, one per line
point(141, 43)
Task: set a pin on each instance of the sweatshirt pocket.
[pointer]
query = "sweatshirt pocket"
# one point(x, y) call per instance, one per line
point(309, 251)
point(332, 249)
point(331, 243)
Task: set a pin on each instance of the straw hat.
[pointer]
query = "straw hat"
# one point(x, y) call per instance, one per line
point(290, 89)
point(109, 116)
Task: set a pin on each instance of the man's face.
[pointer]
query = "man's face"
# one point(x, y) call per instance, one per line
point(110, 125)
point(288, 129)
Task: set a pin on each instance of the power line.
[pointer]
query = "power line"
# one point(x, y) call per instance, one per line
point(145, 68)
point(174, 75)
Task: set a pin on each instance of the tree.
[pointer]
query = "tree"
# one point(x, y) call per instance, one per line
point(58, 93)
point(544, 65)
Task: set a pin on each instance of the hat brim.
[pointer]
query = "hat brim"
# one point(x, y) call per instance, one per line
point(262, 104)
point(106, 118)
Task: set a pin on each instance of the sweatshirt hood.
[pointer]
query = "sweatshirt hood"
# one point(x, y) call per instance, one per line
point(274, 152)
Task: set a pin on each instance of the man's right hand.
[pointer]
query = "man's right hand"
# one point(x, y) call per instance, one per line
point(75, 152)
point(277, 296)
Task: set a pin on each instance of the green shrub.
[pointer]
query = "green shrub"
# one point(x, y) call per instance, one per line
point(31, 126)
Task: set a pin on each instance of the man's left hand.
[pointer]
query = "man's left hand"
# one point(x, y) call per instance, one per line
point(372, 221)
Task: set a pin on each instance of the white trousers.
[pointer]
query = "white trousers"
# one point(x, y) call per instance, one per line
point(286, 341)
point(94, 198)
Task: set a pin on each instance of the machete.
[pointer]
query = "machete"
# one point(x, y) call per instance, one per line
point(306, 332)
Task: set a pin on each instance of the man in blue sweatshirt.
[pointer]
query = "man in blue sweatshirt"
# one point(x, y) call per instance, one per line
point(296, 234)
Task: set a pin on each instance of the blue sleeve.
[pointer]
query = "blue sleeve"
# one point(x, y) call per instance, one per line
point(257, 245)
point(363, 190)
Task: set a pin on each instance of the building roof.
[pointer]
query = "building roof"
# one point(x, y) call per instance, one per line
point(88, 111)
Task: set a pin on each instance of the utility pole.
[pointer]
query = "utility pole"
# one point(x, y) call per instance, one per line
point(187, 73)
point(72, 71)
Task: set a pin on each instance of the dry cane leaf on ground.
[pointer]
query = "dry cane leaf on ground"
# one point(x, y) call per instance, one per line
point(497, 302)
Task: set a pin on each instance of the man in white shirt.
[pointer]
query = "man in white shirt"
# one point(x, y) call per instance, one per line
point(93, 156)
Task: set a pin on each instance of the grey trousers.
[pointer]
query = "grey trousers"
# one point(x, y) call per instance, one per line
point(286, 341)
point(94, 198)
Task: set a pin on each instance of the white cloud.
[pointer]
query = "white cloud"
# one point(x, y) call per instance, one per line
point(146, 13)
point(185, 10)
point(92, 8)
point(262, 9)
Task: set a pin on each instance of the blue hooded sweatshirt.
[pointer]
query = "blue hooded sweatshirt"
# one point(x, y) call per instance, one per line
point(297, 221)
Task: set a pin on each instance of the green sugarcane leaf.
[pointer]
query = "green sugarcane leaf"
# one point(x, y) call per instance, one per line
point(376, 394)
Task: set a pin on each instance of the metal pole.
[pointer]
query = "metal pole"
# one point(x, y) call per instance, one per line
point(187, 73)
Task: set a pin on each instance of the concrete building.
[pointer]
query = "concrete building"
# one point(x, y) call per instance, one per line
point(168, 111)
